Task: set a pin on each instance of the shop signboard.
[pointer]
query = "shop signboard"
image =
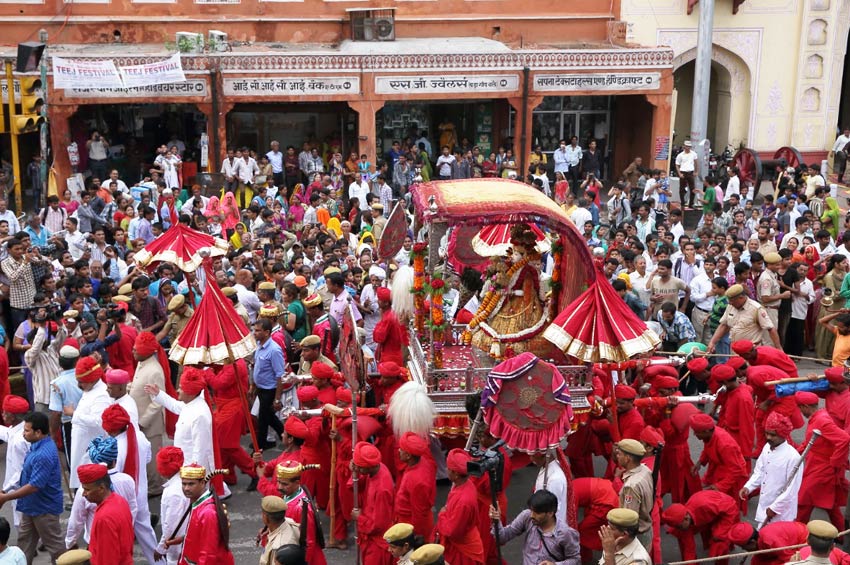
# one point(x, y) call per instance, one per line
point(291, 86)
point(446, 84)
point(194, 88)
point(596, 81)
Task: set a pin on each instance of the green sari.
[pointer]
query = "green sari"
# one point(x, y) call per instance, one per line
point(831, 218)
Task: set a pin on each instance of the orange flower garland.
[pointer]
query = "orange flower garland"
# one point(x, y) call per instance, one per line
point(438, 324)
point(557, 255)
point(418, 290)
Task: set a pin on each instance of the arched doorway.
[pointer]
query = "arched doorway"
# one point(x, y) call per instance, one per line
point(729, 100)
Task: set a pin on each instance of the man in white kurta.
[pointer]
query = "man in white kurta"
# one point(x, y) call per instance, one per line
point(173, 504)
point(85, 423)
point(14, 408)
point(551, 477)
point(772, 471)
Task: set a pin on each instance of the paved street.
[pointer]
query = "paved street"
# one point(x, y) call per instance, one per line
point(244, 508)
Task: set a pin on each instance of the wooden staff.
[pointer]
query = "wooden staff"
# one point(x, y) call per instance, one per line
point(748, 553)
point(792, 380)
point(354, 476)
point(332, 486)
point(247, 411)
point(697, 353)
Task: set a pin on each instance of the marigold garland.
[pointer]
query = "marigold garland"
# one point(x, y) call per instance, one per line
point(438, 322)
point(556, 284)
point(417, 255)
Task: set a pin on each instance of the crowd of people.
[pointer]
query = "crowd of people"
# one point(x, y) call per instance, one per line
point(90, 328)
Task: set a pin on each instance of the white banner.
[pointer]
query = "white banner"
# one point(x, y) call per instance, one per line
point(190, 88)
point(597, 81)
point(446, 84)
point(291, 86)
point(167, 71)
point(68, 73)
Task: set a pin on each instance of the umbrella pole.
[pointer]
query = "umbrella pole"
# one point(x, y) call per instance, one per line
point(615, 425)
point(332, 486)
point(247, 411)
point(354, 476)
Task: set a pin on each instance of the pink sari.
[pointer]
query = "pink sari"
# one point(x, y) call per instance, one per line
point(230, 212)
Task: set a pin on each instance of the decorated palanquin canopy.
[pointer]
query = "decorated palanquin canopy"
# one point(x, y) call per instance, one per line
point(180, 245)
point(599, 327)
point(482, 202)
point(215, 334)
point(527, 403)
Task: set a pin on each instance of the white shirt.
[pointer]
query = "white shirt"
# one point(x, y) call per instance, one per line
point(14, 226)
point(373, 316)
point(359, 190)
point(686, 161)
point(770, 473)
point(122, 186)
point(580, 216)
point(573, 156)
point(76, 244)
point(701, 291)
point(16, 451)
point(444, 165)
point(173, 505)
point(249, 300)
point(86, 425)
point(231, 168)
point(193, 432)
point(556, 483)
point(247, 170)
point(732, 187)
point(840, 143)
point(678, 230)
point(276, 161)
point(800, 302)
point(82, 511)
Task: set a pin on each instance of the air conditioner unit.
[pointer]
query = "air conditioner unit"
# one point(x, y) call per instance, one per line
point(188, 42)
point(217, 40)
point(383, 29)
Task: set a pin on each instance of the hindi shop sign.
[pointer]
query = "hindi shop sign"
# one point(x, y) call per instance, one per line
point(70, 74)
point(597, 81)
point(291, 86)
point(191, 88)
point(449, 84)
point(163, 72)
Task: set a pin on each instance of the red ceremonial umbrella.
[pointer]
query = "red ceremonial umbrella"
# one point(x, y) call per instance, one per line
point(180, 245)
point(495, 239)
point(599, 327)
point(215, 334)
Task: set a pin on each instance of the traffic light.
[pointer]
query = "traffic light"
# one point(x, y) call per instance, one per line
point(3, 118)
point(30, 117)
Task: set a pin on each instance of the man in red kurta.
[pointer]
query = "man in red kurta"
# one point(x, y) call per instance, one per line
point(288, 475)
point(389, 334)
point(676, 464)
point(629, 422)
point(417, 487)
point(765, 355)
point(208, 532)
point(710, 513)
point(838, 397)
point(375, 514)
point(294, 433)
point(229, 420)
point(824, 484)
point(596, 497)
point(111, 536)
point(456, 522)
point(765, 397)
point(392, 377)
point(738, 414)
point(774, 534)
point(316, 448)
point(726, 471)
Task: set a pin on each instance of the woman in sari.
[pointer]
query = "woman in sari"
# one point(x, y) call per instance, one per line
point(831, 218)
point(296, 212)
point(561, 188)
point(833, 282)
point(213, 207)
point(241, 236)
point(68, 202)
point(230, 213)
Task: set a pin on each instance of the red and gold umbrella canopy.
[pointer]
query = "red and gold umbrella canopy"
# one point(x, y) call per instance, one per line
point(495, 239)
point(215, 333)
point(180, 245)
point(599, 327)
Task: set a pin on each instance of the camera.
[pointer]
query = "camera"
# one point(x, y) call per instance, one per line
point(489, 462)
point(113, 312)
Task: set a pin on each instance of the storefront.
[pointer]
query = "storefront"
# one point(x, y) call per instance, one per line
point(365, 101)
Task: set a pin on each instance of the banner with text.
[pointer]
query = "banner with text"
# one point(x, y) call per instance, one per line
point(196, 87)
point(168, 71)
point(69, 73)
point(448, 84)
point(291, 86)
point(597, 81)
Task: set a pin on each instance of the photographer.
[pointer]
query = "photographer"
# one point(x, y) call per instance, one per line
point(97, 147)
point(121, 352)
point(42, 357)
point(96, 338)
point(547, 539)
point(18, 268)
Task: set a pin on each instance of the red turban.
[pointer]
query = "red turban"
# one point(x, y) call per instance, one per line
point(697, 364)
point(722, 373)
point(343, 395)
point(321, 370)
point(389, 369)
point(702, 422)
point(117, 377)
point(651, 436)
point(736, 362)
point(169, 460)
point(72, 342)
point(146, 344)
point(653, 371)
point(366, 455)
point(115, 419)
point(742, 346)
point(414, 444)
point(835, 375)
point(674, 515)
point(805, 397)
point(15, 405)
point(664, 381)
point(741, 533)
point(192, 381)
point(296, 428)
point(88, 370)
point(307, 393)
point(457, 460)
point(91, 472)
point(384, 294)
point(625, 392)
point(779, 423)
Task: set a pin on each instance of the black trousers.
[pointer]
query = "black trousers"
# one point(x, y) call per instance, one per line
point(267, 416)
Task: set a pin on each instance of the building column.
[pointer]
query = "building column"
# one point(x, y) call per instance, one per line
point(367, 131)
point(60, 139)
point(522, 130)
point(662, 105)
